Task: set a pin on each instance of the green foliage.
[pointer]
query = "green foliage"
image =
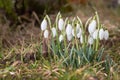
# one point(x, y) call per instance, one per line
point(8, 7)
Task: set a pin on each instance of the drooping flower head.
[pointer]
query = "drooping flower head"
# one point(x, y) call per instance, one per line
point(46, 33)
point(69, 37)
point(92, 26)
point(69, 29)
point(106, 34)
point(78, 31)
point(95, 34)
point(60, 24)
point(90, 40)
point(54, 31)
point(61, 38)
point(44, 24)
point(101, 34)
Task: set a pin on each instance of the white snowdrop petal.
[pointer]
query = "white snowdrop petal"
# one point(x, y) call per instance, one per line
point(73, 32)
point(54, 31)
point(43, 24)
point(79, 34)
point(60, 24)
point(101, 34)
point(61, 38)
point(46, 33)
point(95, 34)
point(77, 27)
point(12, 73)
point(69, 29)
point(106, 35)
point(92, 26)
point(69, 37)
point(90, 40)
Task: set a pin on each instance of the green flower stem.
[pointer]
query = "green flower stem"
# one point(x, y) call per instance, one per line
point(57, 34)
point(49, 21)
point(56, 21)
point(87, 22)
point(83, 31)
point(63, 32)
point(97, 40)
point(76, 43)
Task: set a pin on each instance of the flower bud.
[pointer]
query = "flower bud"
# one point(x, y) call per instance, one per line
point(54, 31)
point(95, 34)
point(101, 34)
point(46, 33)
point(90, 40)
point(78, 31)
point(69, 29)
point(44, 24)
point(92, 27)
point(69, 37)
point(61, 38)
point(77, 28)
point(106, 35)
point(60, 24)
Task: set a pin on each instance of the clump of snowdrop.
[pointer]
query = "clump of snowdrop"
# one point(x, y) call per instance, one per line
point(95, 33)
point(85, 40)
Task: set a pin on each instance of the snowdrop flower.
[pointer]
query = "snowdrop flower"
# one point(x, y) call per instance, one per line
point(12, 73)
point(81, 39)
point(54, 31)
point(60, 24)
point(95, 34)
point(106, 35)
point(46, 34)
point(69, 37)
point(101, 34)
point(90, 40)
point(69, 29)
point(44, 24)
point(61, 38)
point(92, 27)
point(77, 28)
point(78, 31)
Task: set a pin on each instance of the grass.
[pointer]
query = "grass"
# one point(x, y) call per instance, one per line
point(26, 61)
point(42, 69)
